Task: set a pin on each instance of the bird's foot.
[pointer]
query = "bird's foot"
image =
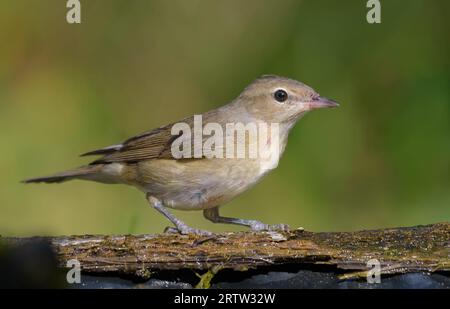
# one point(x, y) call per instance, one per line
point(185, 230)
point(279, 227)
point(259, 226)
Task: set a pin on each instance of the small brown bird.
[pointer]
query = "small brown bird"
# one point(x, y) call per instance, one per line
point(208, 178)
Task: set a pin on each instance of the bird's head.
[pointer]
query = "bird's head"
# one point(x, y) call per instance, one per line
point(280, 99)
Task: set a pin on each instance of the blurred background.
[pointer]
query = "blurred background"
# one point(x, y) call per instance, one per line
point(380, 160)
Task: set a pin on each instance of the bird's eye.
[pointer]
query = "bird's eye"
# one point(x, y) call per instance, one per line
point(280, 95)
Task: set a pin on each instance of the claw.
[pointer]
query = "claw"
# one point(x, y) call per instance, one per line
point(259, 226)
point(279, 227)
point(185, 230)
point(171, 230)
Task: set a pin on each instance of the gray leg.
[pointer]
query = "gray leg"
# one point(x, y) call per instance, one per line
point(212, 214)
point(180, 225)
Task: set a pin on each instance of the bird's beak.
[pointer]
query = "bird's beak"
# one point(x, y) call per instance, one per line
point(322, 102)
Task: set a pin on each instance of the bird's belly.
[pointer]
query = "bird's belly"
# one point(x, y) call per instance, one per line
point(198, 184)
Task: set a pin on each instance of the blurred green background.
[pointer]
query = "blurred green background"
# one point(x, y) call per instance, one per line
point(382, 159)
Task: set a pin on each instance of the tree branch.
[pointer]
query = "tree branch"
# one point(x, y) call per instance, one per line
point(399, 250)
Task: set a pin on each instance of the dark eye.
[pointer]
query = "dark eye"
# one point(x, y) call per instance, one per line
point(280, 95)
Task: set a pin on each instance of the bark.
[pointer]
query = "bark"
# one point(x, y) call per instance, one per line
point(399, 250)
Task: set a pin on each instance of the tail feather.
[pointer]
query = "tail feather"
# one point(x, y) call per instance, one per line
point(81, 172)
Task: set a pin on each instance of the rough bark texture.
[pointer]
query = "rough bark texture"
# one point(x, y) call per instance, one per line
point(399, 250)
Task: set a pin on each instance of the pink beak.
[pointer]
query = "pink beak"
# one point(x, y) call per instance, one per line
point(321, 102)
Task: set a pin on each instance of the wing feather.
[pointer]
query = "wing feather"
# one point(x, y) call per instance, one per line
point(152, 144)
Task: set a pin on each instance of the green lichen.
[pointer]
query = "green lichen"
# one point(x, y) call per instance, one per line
point(144, 273)
point(205, 279)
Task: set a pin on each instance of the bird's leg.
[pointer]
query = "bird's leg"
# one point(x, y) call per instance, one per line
point(212, 214)
point(182, 227)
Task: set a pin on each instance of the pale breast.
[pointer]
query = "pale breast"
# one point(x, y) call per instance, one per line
point(197, 184)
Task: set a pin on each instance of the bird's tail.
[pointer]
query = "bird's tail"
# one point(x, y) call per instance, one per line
point(83, 172)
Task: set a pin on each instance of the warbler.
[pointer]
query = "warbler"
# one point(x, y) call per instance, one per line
point(194, 171)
